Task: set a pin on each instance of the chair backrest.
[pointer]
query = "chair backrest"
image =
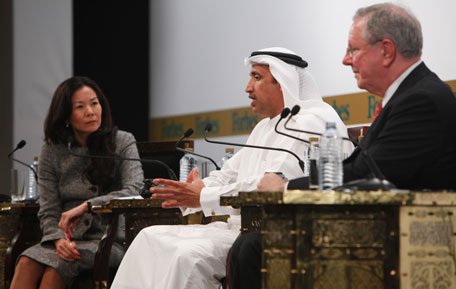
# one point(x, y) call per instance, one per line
point(165, 152)
point(357, 133)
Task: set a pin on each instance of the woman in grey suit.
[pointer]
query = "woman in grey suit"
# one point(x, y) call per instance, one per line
point(69, 185)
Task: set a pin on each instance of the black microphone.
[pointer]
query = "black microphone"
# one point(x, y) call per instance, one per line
point(376, 181)
point(293, 112)
point(20, 145)
point(285, 112)
point(188, 133)
point(209, 128)
point(168, 169)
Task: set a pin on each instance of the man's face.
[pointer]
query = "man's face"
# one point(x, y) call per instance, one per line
point(264, 91)
point(364, 59)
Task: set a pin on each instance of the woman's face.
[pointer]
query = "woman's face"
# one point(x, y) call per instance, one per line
point(86, 113)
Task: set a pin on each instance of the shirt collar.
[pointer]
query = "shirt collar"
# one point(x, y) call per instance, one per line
point(395, 85)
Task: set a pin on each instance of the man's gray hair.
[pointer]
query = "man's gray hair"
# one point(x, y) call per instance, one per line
point(387, 20)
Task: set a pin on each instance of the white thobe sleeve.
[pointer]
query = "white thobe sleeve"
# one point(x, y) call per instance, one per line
point(215, 182)
point(210, 196)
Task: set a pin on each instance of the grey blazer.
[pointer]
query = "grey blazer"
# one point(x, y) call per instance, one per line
point(63, 186)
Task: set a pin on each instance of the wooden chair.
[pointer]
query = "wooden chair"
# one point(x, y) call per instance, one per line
point(140, 213)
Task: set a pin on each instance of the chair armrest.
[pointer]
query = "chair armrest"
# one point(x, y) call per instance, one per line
point(101, 262)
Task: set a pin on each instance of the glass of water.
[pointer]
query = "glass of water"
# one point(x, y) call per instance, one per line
point(18, 181)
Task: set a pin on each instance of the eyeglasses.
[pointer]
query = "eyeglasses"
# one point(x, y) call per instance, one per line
point(352, 51)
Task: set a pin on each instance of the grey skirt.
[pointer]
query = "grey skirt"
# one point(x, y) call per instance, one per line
point(46, 254)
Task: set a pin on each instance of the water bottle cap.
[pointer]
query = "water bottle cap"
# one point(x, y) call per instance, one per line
point(229, 150)
point(313, 139)
point(35, 158)
point(189, 149)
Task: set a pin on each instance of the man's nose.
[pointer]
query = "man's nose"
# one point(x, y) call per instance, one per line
point(249, 87)
point(347, 60)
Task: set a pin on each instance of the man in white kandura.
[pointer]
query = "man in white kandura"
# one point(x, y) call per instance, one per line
point(194, 256)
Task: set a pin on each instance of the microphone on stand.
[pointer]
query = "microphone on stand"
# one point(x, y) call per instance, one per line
point(20, 145)
point(188, 133)
point(293, 112)
point(376, 181)
point(209, 128)
point(160, 163)
point(284, 114)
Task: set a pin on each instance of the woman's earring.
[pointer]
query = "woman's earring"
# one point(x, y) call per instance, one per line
point(67, 125)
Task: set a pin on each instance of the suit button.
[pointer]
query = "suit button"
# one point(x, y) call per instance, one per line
point(94, 189)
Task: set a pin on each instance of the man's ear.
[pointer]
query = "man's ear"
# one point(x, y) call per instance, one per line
point(388, 49)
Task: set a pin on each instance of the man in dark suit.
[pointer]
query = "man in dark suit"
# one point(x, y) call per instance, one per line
point(412, 140)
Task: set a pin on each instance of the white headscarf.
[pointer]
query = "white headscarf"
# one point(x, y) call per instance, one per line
point(299, 87)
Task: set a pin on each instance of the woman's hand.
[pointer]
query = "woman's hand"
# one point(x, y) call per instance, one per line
point(67, 250)
point(71, 218)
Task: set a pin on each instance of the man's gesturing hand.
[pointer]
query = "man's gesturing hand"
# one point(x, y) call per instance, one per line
point(179, 194)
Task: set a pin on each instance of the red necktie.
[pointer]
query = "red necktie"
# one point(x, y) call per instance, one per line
point(378, 110)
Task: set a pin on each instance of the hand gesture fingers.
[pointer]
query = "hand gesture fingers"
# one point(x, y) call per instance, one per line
point(166, 182)
point(70, 219)
point(179, 194)
point(193, 174)
point(67, 250)
point(195, 178)
point(73, 224)
point(170, 204)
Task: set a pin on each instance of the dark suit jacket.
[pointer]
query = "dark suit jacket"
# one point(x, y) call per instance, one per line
point(413, 140)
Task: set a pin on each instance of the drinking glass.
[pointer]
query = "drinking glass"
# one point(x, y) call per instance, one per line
point(18, 182)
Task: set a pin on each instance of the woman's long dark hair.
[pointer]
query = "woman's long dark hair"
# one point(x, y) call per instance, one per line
point(102, 142)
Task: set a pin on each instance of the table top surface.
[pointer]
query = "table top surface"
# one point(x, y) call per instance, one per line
point(316, 197)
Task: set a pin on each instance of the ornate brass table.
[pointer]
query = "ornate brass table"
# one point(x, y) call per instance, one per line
point(368, 240)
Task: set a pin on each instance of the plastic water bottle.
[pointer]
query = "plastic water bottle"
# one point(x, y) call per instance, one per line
point(229, 152)
point(186, 165)
point(313, 156)
point(32, 191)
point(306, 162)
point(330, 171)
